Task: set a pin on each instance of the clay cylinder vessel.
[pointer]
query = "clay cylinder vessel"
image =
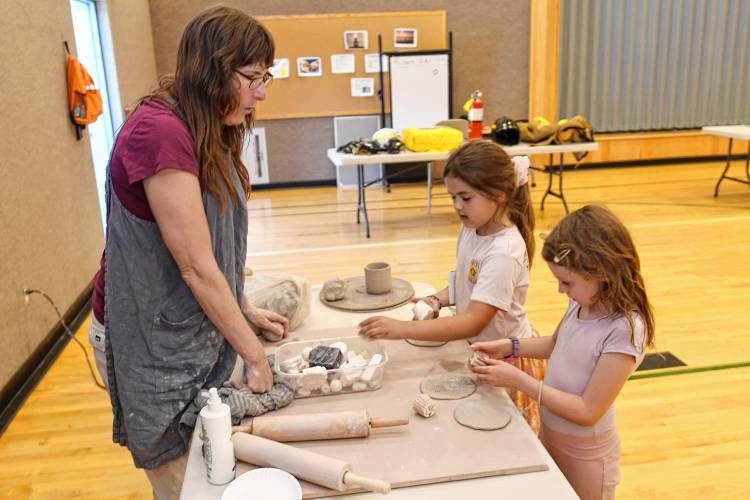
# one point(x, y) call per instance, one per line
point(378, 278)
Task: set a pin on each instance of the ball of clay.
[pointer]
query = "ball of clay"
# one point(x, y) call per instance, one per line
point(422, 310)
point(306, 353)
point(272, 336)
point(359, 386)
point(303, 392)
point(334, 289)
point(336, 385)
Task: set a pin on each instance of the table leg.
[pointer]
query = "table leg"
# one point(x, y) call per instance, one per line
point(429, 187)
point(726, 167)
point(747, 163)
point(360, 187)
point(560, 186)
point(549, 183)
point(363, 201)
point(550, 169)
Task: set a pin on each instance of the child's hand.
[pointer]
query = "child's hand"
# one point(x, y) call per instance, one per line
point(380, 327)
point(497, 373)
point(430, 301)
point(496, 348)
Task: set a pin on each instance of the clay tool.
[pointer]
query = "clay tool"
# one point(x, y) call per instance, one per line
point(313, 467)
point(315, 426)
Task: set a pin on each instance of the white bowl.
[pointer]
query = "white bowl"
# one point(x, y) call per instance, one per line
point(263, 484)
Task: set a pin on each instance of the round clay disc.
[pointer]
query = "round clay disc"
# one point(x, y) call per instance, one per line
point(481, 416)
point(448, 386)
point(426, 343)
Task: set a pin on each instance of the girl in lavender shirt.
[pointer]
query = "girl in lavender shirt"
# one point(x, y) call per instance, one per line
point(599, 342)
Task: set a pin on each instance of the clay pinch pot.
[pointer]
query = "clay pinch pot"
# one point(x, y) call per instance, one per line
point(334, 289)
point(378, 278)
point(478, 358)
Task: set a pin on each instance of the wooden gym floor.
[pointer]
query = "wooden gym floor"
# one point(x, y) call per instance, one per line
point(685, 431)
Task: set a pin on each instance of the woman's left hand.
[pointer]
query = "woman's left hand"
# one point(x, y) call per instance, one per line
point(497, 373)
point(264, 319)
point(380, 327)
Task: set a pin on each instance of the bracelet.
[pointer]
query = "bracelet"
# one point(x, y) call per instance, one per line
point(440, 304)
point(539, 394)
point(515, 347)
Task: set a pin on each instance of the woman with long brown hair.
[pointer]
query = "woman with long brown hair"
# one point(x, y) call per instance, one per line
point(170, 316)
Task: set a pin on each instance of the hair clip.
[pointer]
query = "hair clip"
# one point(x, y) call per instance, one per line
point(560, 256)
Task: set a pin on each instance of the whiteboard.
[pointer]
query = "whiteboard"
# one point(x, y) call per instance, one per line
point(420, 90)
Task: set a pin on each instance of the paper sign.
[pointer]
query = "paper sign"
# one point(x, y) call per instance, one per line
point(342, 63)
point(280, 69)
point(372, 66)
point(363, 87)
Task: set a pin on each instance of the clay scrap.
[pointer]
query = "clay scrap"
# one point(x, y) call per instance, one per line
point(328, 357)
point(424, 406)
point(334, 289)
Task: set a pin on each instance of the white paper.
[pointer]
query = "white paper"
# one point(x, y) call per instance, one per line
point(342, 63)
point(371, 63)
point(363, 87)
point(280, 69)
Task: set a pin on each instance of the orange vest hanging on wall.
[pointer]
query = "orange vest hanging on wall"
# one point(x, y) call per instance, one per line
point(84, 99)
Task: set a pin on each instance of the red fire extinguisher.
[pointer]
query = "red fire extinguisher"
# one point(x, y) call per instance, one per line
point(476, 114)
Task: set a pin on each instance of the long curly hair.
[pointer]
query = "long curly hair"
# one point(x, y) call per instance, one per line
point(594, 243)
point(214, 44)
point(485, 167)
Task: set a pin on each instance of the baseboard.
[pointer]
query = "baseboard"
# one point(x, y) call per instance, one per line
point(23, 382)
point(296, 184)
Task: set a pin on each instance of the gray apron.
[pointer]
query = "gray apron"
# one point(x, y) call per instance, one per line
point(161, 348)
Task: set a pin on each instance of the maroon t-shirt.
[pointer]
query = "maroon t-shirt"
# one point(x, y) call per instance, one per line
point(153, 139)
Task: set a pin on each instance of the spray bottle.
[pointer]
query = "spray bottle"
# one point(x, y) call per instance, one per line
point(216, 432)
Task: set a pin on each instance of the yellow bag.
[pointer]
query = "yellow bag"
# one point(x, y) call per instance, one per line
point(432, 139)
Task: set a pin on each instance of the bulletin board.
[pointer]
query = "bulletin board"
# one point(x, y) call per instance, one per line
point(322, 35)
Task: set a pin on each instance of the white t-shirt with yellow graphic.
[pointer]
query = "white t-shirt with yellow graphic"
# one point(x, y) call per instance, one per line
point(494, 270)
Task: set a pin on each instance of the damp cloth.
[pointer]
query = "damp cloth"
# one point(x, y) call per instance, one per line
point(245, 403)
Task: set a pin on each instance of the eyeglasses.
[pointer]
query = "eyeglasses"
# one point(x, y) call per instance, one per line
point(255, 81)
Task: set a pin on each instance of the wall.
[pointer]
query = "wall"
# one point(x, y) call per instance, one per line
point(50, 228)
point(134, 48)
point(491, 53)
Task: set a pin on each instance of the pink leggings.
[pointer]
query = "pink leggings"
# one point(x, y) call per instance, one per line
point(591, 464)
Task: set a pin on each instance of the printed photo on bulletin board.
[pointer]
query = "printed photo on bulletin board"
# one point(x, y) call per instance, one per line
point(355, 40)
point(309, 66)
point(405, 37)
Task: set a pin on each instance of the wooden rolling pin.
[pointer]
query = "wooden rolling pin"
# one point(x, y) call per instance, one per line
point(313, 467)
point(314, 426)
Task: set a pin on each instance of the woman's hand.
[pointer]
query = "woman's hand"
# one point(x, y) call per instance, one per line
point(258, 376)
point(264, 319)
point(497, 373)
point(380, 327)
point(495, 348)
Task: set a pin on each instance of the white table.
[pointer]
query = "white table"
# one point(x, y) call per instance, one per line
point(346, 159)
point(741, 132)
point(549, 484)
